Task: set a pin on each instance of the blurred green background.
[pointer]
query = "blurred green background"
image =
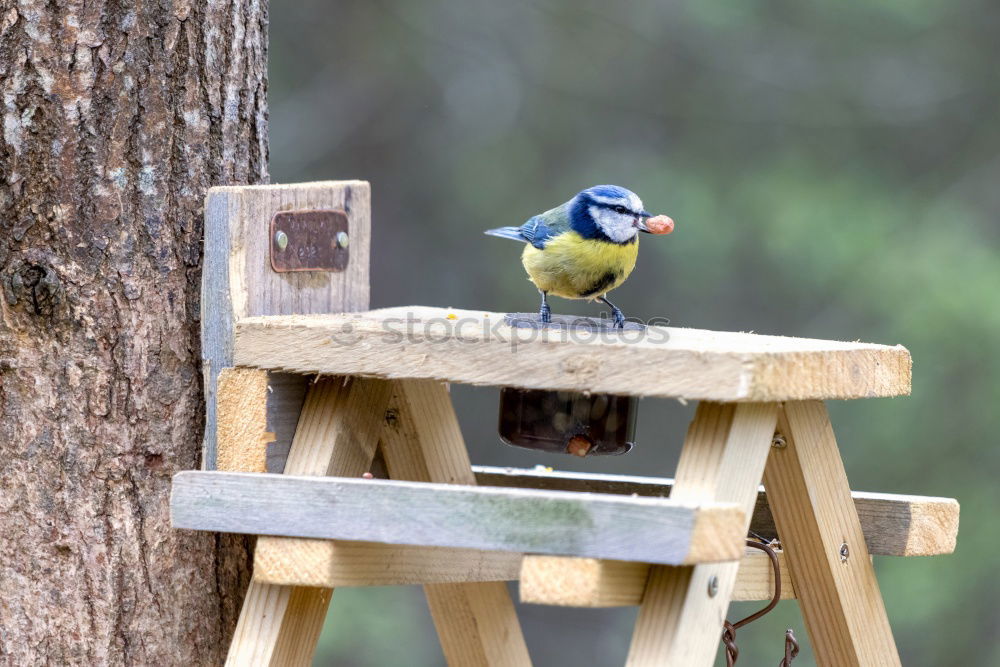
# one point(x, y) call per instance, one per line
point(834, 171)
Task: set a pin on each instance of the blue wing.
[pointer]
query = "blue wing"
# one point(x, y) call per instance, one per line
point(539, 229)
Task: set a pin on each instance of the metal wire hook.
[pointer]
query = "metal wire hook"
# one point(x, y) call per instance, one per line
point(791, 649)
point(729, 631)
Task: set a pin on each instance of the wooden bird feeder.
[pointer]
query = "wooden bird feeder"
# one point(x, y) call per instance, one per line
point(307, 391)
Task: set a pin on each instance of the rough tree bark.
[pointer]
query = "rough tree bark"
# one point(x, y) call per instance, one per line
point(116, 116)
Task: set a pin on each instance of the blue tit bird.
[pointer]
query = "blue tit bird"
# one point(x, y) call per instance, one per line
point(584, 248)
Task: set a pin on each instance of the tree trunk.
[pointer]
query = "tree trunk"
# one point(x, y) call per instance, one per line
point(116, 116)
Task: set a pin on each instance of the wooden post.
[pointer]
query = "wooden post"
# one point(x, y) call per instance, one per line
point(821, 535)
point(238, 282)
point(680, 620)
point(421, 441)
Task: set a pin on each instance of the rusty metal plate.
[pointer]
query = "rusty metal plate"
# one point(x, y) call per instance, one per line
point(313, 240)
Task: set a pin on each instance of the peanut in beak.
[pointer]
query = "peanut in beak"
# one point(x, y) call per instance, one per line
point(660, 224)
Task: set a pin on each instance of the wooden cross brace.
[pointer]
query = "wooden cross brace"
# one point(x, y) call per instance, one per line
point(378, 402)
point(341, 427)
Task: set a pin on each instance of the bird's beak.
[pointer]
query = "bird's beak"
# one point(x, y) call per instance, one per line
point(640, 222)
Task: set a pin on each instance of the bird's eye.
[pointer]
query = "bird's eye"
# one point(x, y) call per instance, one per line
point(620, 209)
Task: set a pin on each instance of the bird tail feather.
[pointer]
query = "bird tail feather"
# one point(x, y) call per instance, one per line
point(513, 233)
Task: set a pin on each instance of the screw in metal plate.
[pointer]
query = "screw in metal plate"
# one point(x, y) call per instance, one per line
point(281, 238)
point(845, 553)
point(778, 441)
point(343, 239)
point(713, 586)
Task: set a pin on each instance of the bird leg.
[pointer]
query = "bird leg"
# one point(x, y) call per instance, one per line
point(616, 313)
point(545, 313)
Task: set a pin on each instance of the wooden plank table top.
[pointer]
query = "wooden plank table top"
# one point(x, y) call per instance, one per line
point(476, 347)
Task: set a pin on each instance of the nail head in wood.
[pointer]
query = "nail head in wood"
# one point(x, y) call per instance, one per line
point(713, 586)
point(778, 441)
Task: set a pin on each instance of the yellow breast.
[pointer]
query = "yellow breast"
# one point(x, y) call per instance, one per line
point(573, 267)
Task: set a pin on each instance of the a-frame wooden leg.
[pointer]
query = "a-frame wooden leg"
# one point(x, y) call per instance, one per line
point(680, 620)
point(337, 434)
point(820, 533)
point(421, 441)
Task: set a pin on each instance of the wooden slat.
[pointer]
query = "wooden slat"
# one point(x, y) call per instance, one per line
point(477, 348)
point(582, 582)
point(242, 437)
point(336, 433)
point(755, 578)
point(898, 525)
point(307, 562)
point(421, 441)
point(893, 524)
point(588, 582)
point(651, 530)
point(286, 393)
point(723, 458)
point(257, 412)
point(293, 626)
point(810, 497)
point(237, 281)
point(562, 480)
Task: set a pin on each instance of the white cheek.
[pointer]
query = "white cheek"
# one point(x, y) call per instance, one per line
point(618, 227)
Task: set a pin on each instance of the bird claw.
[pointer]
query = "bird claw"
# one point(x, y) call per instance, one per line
point(619, 318)
point(545, 314)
